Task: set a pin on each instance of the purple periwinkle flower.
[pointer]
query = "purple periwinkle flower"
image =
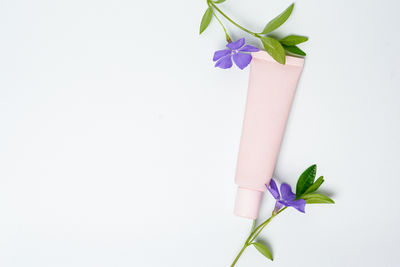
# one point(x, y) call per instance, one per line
point(286, 197)
point(236, 51)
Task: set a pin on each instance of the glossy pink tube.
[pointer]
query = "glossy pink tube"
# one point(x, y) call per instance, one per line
point(270, 95)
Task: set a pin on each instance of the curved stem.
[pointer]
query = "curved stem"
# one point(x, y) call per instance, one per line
point(254, 234)
point(258, 230)
point(231, 21)
point(228, 38)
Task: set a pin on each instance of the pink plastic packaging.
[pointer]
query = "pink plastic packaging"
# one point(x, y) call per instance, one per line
point(270, 95)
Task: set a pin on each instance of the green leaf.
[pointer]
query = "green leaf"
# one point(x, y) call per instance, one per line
point(294, 50)
point(219, 1)
point(263, 250)
point(293, 40)
point(316, 198)
point(274, 48)
point(315, 185)
point(306, 179)
point(278, 21)
point(205, 21)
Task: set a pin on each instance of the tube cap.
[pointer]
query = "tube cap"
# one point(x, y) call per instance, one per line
point(247, 203)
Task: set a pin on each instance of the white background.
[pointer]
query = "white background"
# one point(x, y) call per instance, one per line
point(118, 138)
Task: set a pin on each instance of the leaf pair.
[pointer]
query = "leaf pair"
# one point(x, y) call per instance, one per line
point(306, 187)
point(272, 46)
point(289, 44)
point(277, 48)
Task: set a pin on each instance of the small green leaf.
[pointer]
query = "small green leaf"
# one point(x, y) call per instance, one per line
point(306, 179)
point(315, 185)
point(294, 50)
point(274, 48)
point(278, 21)
point(316, 198)
point(293, 40)
point(219, 1)
point(263, 250)
point(205, 21)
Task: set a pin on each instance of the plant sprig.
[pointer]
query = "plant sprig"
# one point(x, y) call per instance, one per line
point(306, 188)
point(276, 48)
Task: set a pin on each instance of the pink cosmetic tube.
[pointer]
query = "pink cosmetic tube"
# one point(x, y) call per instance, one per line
point(270, 95)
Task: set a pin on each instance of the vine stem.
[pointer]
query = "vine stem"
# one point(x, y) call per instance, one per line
point(228, 38)
point(254, 234)
point(238, 255)
point(210, 3)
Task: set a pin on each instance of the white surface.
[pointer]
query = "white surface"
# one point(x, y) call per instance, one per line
point(119, 139)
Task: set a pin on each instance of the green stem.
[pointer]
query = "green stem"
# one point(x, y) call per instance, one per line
point(239, 254)
point(253, 226)
point(228, 38)
point(258, 230)
point(230, 20)
point(254, 234)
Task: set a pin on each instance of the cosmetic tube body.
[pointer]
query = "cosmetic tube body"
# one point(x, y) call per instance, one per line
point(270, 94)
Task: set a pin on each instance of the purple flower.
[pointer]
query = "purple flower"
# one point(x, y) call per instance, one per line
point(286, 198)
point(236, 52)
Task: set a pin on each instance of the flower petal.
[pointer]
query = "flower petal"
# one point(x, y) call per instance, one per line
point(287, 193)
point(299, 205)
point(236, 45)
point(242, 60)
point(221, 53)
point(273, 189)
point(224, 62)
point(249, 48)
